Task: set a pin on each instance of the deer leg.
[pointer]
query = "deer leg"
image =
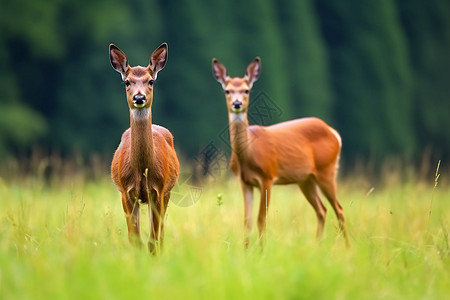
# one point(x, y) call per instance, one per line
point(131, 208)
point(327, 185)
point(263, 208)
point(247, 191)
point(309, 189)
point(163, 214)
point(157, 211)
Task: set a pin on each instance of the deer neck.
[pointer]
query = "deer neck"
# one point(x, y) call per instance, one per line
point(238, 123)
point(141, 139)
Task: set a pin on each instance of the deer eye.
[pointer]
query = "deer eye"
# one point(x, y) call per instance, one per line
point(151, 82)
point(227, 92)
point(127, 83)
point(246, 91)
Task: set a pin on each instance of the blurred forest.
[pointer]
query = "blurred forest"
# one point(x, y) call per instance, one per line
point(377, 71)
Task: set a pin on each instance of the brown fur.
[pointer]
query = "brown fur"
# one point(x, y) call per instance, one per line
point(302, 151)
point(145, 165)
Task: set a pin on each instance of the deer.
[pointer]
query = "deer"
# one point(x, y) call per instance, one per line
point(302, 151)
point(145, 166)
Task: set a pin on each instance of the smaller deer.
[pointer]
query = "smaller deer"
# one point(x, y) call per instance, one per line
point(145, 166)
point(302, 151)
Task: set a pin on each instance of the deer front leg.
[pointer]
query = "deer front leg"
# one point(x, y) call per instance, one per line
point(247, 191)
point(131, 208)
point(263, 208)
point(157, 210)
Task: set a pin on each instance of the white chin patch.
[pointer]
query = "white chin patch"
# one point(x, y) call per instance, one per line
point(140, 114)
point(237, 116)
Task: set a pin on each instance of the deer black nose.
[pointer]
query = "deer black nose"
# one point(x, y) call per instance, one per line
point(139, 99)
point(237, 104)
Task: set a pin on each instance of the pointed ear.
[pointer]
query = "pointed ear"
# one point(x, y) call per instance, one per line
point(219, 72)
point(119, 60)
point(158, 59)
point(253, 71)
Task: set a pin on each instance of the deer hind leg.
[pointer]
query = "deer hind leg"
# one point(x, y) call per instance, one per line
point(327, 184)
point(263, 208)
point(309, 189)
point(130, 205)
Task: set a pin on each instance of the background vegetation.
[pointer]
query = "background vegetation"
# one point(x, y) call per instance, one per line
point(378, 71)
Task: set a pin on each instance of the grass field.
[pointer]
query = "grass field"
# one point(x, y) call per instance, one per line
point(69, 241)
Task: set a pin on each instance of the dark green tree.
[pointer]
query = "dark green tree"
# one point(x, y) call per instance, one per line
point(377, 71)
point(371, 77)
point(427, 29)
point(306, 65)
point(259, 34)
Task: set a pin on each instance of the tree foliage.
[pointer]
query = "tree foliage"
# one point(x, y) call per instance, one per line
point(377, 71)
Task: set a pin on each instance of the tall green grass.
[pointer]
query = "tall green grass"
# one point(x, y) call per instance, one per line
point(68, 240)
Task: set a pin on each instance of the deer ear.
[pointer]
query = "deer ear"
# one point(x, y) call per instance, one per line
point(119, 60)
point(158, 59)
point(219, 72)
point(253, 71)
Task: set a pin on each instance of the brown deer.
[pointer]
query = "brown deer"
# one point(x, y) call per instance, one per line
point(302, 151)
point(145, 166)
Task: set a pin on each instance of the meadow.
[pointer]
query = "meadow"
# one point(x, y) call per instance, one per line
point(67, 239)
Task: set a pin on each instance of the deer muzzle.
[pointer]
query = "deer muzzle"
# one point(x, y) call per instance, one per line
point(236, 105)
point(139, 100)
